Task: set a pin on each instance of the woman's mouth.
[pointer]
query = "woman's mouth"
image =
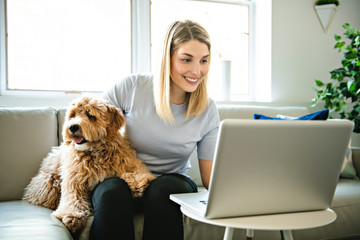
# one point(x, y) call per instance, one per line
point(191, 80)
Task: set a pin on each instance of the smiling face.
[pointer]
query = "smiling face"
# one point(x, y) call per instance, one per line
point(189, 66)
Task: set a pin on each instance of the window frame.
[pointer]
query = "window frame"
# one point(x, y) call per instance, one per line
point(259, 87)
point(3, 49)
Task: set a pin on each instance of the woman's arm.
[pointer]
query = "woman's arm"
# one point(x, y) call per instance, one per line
point(205, 171)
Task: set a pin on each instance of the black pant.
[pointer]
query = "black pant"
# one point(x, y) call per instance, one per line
point(114, 209)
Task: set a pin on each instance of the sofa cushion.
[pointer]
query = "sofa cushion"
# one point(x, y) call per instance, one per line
point(346, 204)
point(27, 136)
point(20, 220)
point(347, 193)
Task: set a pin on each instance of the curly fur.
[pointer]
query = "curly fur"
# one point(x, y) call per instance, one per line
point(93, 150)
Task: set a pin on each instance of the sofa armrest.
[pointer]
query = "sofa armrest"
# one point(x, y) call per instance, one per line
point(356, 159)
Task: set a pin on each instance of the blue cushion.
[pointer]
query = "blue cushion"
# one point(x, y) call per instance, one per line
point(320, 115)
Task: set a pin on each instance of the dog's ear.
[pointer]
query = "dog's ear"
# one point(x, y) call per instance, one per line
point(116, 117)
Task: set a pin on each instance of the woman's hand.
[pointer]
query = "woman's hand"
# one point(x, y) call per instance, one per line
point(205, 171)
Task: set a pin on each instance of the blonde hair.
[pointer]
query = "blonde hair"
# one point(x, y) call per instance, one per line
point(178, 33)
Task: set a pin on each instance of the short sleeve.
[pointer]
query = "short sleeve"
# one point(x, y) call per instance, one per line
point(121, 93)
point(206, 147)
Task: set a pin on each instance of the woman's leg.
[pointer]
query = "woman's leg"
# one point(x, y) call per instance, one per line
point(163, 218)
point(113, 211)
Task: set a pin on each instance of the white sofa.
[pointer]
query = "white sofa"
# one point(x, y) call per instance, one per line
point(28, 134)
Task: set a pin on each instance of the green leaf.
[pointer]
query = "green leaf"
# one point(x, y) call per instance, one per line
point(319, 83)
point(350, 55)
point(346, 26)
point(328, 87)
point(357, 41)
point(337, 38)
point(357, 108)
point(340, 45)
point(350, 49)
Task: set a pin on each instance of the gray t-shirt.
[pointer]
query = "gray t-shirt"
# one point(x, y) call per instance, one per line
point(164, 148)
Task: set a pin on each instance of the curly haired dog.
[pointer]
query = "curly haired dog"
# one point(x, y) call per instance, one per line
point(93, 150)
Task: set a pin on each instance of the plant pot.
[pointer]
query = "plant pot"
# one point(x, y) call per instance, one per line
point(326, 14)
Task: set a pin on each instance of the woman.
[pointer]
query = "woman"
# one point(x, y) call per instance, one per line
point(167, 117)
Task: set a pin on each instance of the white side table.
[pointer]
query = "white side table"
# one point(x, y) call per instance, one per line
point(285, 222)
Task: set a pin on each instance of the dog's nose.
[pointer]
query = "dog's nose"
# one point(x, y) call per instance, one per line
point(74, 128)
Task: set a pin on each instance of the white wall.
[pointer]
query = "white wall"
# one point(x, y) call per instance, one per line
point(301, 51)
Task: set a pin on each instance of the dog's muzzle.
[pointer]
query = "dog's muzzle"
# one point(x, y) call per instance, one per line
point(78, 139)
point(74, 128)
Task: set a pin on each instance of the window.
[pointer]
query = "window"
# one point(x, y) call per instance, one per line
point(86, 45)
point(228, 27)
point(67, 45)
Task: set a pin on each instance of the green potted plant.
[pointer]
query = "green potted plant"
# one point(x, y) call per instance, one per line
point(325, 2)
point(342, 93)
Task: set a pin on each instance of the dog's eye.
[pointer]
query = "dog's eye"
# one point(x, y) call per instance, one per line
point(91, 117)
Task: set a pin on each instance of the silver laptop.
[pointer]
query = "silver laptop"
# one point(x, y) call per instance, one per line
point(272, 166)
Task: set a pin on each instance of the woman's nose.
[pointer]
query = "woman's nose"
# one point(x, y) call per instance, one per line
point(196, 69)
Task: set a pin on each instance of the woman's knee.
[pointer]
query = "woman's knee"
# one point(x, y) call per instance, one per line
point(170, 184)
point(111, 190)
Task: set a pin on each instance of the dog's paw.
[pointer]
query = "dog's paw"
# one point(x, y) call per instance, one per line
point(141, 183)
point(137, 192)
point(73, 223)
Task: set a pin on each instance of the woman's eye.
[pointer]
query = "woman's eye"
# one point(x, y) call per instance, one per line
point(186, 60)
point(204, 61)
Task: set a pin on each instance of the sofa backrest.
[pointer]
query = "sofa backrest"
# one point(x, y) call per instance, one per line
point(27, 136)
point(248, 111)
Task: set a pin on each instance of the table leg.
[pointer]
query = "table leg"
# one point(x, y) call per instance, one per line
point(249, 234)
point(228, 233)
point(288, 235)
